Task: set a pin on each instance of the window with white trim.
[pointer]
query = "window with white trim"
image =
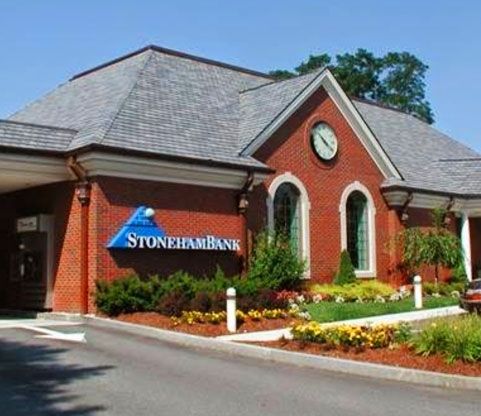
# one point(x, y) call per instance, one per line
point(288, 211)
point(358, 230)
point(287, 216)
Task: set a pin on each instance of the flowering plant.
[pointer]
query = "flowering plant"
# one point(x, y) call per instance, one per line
point(376, 336)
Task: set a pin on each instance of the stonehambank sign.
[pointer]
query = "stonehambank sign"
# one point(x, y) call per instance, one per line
point(142, 232)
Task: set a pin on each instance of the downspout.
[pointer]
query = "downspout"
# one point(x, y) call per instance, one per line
point(82, 192)
point(242, 207)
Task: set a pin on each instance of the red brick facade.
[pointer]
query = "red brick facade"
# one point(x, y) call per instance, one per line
point(290, 150)
point(194, 210)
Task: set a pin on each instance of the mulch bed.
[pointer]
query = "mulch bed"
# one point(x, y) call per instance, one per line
point(399, 357)
point(209, 330)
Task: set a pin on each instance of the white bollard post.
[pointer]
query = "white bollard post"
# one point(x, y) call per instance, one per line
point(231, 310)
point(418, 292)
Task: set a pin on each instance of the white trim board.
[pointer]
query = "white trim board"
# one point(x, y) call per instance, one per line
point(133, 167)
point(430, 201)
point(19, 171)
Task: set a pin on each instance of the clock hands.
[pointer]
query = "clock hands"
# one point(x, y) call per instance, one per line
point(326, 142)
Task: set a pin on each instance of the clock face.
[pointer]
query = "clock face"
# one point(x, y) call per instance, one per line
point(324, 141)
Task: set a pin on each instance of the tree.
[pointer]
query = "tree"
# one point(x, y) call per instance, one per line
point(396, 79)
point(314, 63)
point(435, 246)
point(282, 74)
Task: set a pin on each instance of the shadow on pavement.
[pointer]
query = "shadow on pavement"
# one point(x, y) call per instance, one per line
point(34, 380)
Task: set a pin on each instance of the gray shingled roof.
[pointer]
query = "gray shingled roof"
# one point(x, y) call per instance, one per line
point(416, 149)
point(154, 102)
point(260, 106)
point(31, 136)
point(172, 104)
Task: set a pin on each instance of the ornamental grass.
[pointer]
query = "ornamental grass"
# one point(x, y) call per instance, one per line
point(455, 339)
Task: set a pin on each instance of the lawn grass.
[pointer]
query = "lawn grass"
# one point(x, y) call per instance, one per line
point(332, 311)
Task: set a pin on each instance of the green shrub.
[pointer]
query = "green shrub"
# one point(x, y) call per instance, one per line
point(126, 295)
point(202, 302)
point(365, 289)
point(444, 289)
point(459, 274)
point(456, 339)
point(346, 273)
point(274, 263)
point(181, 282)
point(174, 303)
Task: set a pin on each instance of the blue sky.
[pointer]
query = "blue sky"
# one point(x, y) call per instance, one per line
point(43, 43)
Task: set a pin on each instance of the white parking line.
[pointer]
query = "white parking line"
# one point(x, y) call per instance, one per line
point(38, 326)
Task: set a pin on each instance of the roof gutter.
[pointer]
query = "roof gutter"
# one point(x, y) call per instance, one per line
point(169, 158)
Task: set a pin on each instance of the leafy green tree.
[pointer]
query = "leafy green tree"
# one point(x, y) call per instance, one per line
point(359, 74)
point(282, 74)
point(403, 84)
point(435, 246)
point(396, 79)
point(346, 273)
point(313, 63)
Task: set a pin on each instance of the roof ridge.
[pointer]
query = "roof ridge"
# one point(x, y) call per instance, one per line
point(278, 81)
point(111, 121)
point(43, 126)
point(178, 54)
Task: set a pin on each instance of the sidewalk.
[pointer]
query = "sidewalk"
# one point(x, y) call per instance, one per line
point(277, 334)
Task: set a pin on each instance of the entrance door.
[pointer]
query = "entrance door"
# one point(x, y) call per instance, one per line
point(33, 269)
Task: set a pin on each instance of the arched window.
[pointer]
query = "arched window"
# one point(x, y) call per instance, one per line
point(358, 228)
point(287, 213)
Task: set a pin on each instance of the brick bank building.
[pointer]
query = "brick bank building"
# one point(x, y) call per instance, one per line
point(160, 161)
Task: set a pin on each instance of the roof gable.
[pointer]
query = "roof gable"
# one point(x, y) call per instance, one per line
point(287, 97)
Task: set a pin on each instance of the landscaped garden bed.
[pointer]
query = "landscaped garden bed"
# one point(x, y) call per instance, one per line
point(448, 345)
point(271, 296)
point(402, 356)
point(204, 329)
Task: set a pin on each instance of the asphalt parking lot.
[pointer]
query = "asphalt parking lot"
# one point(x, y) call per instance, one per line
point(115, 373)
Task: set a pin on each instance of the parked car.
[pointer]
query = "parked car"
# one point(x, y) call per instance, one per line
point(470, 300)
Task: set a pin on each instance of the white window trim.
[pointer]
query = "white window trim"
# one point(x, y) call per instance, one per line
point(357, 186)
point(305, 207)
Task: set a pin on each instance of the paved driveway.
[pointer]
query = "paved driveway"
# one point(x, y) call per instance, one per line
point(118, 374)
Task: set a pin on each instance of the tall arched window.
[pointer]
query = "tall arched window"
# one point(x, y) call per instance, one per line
point(288, 211)
point(287, 214)
point(357, 230)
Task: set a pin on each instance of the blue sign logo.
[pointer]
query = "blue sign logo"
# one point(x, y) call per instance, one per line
point(141, 231)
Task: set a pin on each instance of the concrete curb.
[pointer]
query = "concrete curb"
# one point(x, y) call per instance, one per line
point(338, 365)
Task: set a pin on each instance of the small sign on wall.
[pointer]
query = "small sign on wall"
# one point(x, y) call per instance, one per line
point(28, 224)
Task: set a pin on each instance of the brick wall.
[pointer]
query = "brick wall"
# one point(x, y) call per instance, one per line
point(181, 210)
point(289, 150)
